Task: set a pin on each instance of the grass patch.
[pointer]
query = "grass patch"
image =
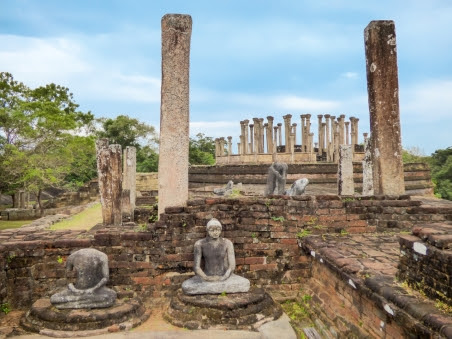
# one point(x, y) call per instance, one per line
point(6, 224)
point(81, 221)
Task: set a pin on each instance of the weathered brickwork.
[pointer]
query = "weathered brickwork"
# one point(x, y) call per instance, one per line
point(426, 261)
point(417, 175)
point(266, 233)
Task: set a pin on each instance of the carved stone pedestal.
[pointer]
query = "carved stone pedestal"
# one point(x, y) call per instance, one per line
point(235, 311)
point(45, 319)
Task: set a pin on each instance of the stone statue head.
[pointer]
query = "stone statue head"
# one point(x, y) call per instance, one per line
point(214, 228)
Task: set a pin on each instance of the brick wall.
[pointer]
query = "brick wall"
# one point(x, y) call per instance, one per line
point(426, 261)
point(154, 262)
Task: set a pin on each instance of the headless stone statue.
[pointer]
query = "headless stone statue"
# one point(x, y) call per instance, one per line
point(219, 264)
point(227, 190)
point(276, 179)
point(89, 290)
point(298, 187)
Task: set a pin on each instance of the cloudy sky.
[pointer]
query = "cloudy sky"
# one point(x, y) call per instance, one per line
point(250, 58)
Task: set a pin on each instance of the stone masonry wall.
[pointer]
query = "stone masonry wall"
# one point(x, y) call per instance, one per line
point(417, 175)
point(154, 262)
point(426, 261)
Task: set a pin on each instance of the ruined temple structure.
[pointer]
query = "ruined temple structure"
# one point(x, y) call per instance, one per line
point(265, 143)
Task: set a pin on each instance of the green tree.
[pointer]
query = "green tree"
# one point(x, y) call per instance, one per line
point(201, 150)
point(147, 160)
point(441, 163)
point(127, 131)
point(36, 125)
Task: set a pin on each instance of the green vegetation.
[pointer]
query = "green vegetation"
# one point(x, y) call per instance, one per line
point(4, 307)
point(84, 220)
point(299, 313)
point(5, 224)
point(201, 150)
point(280, 219)
point(441, 165)
point(303, 233)
point(60, 260)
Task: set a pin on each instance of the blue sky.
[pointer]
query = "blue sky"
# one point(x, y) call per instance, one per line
point(248, 59)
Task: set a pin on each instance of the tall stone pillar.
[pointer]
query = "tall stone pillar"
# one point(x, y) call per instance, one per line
point(109, 171)
point(294, 132)
point(247, 139)
point(275, 136)
point(270, 139)
point(266, 138)
point(345, 184)
point(322, 136)
point(229, 146)
point(252, 148)
point(341, 129)
point(174, 109)
point(287, 129)
point(257, 137)
point(319, 127)
point(336, 141)
point(22, 199)
point(308, 130)
point(242, 137)
point(129, 175)
point(383, 94)
point(304, 136)
point(347, 132)
point(368, 188)
point(365, 136)
point(261, 135)
point(311, 143)
point(239, 147)
point(280, 133)
point(327, 137)
point(222, 145)
point(332, 146)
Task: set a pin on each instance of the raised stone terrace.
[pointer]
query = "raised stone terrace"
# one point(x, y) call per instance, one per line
point(343, 252)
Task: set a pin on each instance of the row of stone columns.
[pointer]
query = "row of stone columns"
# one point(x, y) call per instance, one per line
point(328, 142)
point(382, 82)
point(21, 199)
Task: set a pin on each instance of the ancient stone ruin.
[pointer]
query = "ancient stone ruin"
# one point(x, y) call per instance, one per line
point(264, 143)
point(196, 306)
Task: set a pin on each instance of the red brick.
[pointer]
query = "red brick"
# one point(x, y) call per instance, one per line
point(263, 267)
point(255, 260)
point(282, 235)
point(289, 241)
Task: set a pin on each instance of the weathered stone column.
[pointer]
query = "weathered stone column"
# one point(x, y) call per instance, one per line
point(365, 135)
point(275, 136)
point(266, 138)
point(336, 141)
point(261, 135)
point(242, 137)
point(173, 160)
point(383, 92)
point(287, 129)
point(319, 136)
point(217, 147)
point(347, 132)
point(345, 184)
point(222, 144)
point(332, 146)
point(292, 148)
point(129, 178)
point(368, 188)
point(109, 171)
point(22, 199)
point(252, 148)
point(280, 133)
point(308, 130)
point(270, 139)
point(303, 133)
point(322, 136)
point(256, 137)
point(229, 146)
point(239, 146)
point(246, 146)
point(294, 132)
point(327, 137)
point(341, 120)
point(311, 143)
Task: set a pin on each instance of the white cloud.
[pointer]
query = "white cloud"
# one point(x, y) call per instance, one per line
point(292, 102)
point(430, 100)
point(71, 62)
point(350, 75)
